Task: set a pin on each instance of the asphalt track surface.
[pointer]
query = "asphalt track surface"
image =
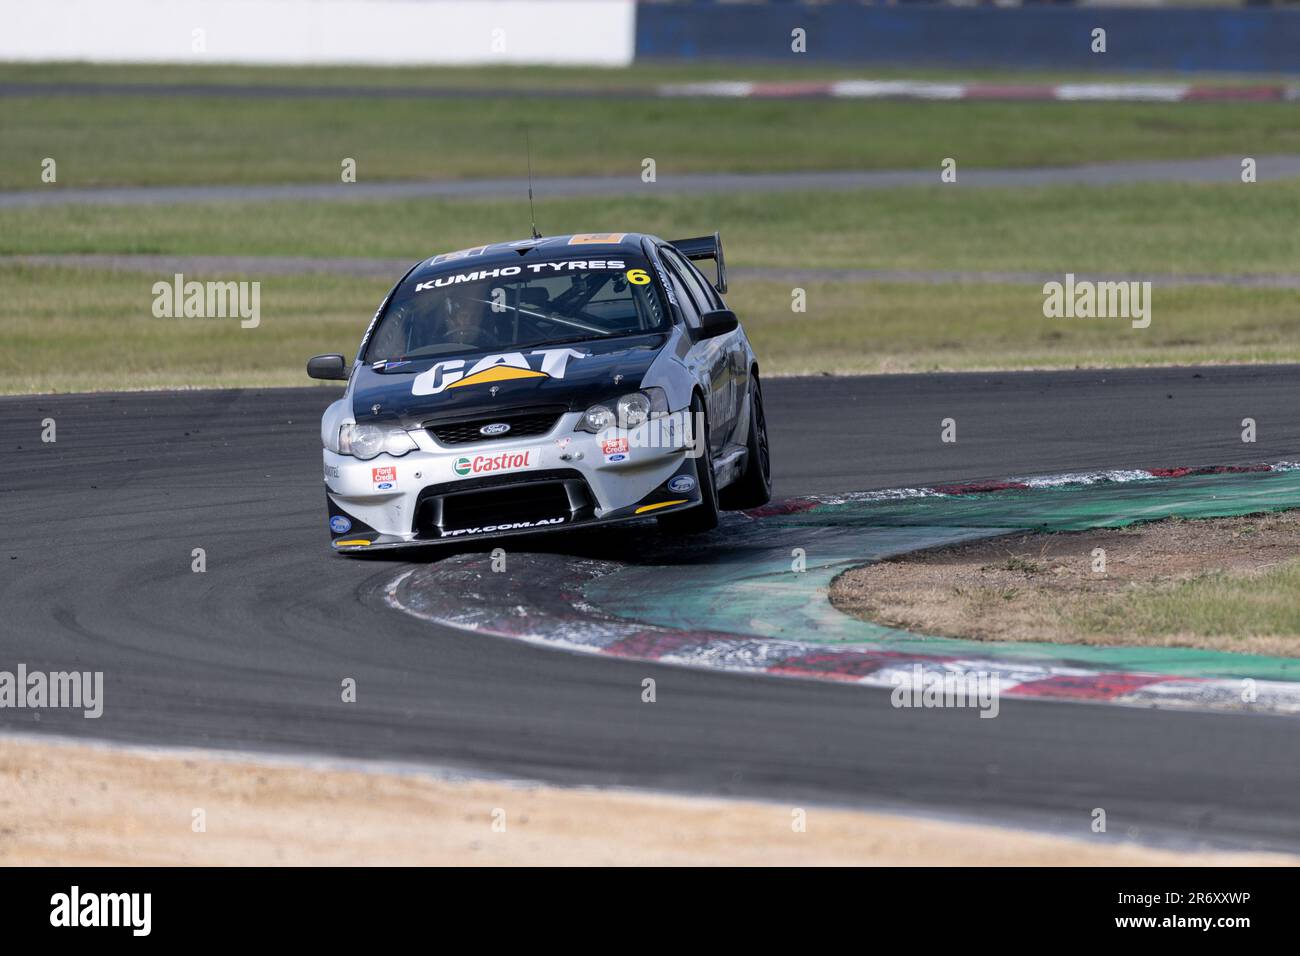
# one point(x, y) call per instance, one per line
point(1211, 170)
point(394, 269)
point(250, 655)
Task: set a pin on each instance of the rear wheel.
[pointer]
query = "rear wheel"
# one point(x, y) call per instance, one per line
point(754, 486)
point(704, 516)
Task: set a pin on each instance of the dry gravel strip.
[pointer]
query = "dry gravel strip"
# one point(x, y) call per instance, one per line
point(75, 804)
point(1042, 587)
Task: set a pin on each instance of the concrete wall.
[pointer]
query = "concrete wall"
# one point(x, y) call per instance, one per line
point(597, 32)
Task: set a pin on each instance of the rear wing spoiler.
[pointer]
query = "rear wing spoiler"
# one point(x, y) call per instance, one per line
point(705, 247)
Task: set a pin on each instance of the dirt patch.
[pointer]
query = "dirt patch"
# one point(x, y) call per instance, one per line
point(1220, 583)
point(70, 804)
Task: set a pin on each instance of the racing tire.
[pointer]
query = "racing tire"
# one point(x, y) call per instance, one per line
point(754, 486)
point(704, 516)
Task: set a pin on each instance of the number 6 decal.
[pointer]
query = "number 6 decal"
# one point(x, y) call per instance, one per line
point(638, 277)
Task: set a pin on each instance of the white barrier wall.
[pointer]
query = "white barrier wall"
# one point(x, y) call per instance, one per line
point(595, 32)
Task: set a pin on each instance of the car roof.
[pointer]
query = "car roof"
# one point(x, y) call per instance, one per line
point(569, 247)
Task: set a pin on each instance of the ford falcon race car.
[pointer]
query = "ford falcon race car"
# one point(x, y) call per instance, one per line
point(545, 384)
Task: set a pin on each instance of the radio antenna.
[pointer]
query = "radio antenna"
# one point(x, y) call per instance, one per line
point(532, 214)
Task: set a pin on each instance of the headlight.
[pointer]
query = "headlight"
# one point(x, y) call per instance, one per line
point(629, 411)
point(367, 441)
point(596, 419)
point(633, 410)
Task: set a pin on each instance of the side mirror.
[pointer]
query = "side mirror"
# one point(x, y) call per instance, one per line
point(332, 368)
point(718, 322)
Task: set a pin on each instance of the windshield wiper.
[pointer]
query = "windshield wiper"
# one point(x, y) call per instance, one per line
point(549, 318)
point(422, 355)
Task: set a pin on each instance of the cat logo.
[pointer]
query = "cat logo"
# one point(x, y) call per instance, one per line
point(493, 368)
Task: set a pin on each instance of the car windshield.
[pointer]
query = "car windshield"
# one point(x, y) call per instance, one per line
point(503, 308)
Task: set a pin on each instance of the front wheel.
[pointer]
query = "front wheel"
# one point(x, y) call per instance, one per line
point(704, 516)
point(754, 486)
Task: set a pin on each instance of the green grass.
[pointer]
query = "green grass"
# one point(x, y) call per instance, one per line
point(892, 327)
point(65, 329)
point(1134, 230)
point(1210, 605)
point(76, 330)
point(145, 140)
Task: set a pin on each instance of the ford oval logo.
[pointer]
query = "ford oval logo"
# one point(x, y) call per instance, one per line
point(497, 428)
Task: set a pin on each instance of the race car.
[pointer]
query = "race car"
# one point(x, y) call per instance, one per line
point(545, 384)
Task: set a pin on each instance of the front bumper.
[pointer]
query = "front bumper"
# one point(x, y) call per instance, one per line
point(497, 487)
